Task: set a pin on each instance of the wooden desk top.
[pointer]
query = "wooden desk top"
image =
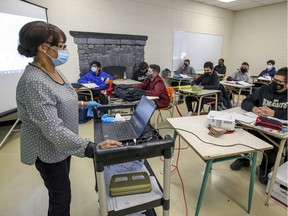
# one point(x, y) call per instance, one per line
point(231, 84)
point(197, 125)
point(252, 126)
point(200, 93)
point(126, 82)
point(182, 78)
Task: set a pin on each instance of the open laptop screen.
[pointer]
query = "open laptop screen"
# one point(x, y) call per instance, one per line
point(142, 114)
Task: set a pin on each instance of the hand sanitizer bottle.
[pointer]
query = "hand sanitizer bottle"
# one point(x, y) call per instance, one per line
point(124, 75)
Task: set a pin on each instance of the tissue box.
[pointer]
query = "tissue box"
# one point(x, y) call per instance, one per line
point(279, 193)
point(221, 120)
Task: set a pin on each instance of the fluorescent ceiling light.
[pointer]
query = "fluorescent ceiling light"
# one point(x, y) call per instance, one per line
point(226, 1)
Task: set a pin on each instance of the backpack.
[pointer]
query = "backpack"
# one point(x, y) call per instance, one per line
point(128, 93)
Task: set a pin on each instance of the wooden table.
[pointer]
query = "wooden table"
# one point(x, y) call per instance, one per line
point(126, 82)
point(237, 87)
point(188, 127)
point(200, 95)
point(266, 134)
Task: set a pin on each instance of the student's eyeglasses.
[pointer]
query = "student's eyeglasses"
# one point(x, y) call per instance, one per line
point(278, 81)
point(60, 45)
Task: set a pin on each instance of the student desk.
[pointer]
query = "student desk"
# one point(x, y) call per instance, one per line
point(85, 91)
point(266, 134)
point(212, 154)
point(171, 79)
point(200, 95)
point(237, 88)
point(126, 82)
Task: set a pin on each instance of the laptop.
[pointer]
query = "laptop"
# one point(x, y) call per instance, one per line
point(133, 128)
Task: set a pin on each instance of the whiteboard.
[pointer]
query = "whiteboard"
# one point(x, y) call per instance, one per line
point(196, 47)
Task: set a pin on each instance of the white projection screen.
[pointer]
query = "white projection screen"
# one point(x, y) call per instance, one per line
point(13, 15)
point(197, 47)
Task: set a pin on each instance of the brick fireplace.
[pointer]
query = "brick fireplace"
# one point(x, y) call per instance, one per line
point(110, 50)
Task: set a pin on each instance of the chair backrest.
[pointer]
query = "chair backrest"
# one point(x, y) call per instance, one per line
point(170, 91)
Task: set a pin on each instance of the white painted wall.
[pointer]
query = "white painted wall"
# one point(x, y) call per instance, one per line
point(253, 35)
point(259, 34)
point(155, 18)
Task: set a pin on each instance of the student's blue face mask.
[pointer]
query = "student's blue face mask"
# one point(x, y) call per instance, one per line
point(62, 58)
point(93, 69)
point(149, 75)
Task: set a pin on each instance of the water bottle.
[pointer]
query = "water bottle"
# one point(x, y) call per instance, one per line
point(124, 75)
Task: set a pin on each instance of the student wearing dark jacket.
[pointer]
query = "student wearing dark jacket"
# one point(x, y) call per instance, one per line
point(270, 69)
point(140, 74)
point(155, 86)
point(267, 101)
point(209, 80)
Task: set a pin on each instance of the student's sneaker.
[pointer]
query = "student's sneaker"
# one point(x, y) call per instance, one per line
point(189, 113)
point(239, 163)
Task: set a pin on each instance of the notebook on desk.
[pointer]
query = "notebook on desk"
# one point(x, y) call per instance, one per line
point(133, 128)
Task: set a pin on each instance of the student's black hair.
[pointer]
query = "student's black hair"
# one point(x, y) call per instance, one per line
point(271, 62)
point(187, 60)
point(208, 64)
point(143, 66)
point(35, 33)
point(97, 63)
point(282, 72)
point(245, 63)
point(155, 68)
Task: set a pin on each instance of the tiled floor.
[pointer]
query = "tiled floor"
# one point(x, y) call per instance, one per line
point(22, 191)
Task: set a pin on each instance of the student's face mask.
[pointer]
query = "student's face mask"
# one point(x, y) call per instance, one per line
point(277, 86)
point(244, 70)
point(94, 69)
point(62, 58)
point(269, 67)
point(149, 75)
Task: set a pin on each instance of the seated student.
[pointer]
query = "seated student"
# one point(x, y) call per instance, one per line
point(140, 74)
point(220, 68)
point(155, 86)
point(270, 69)
point(186, 69)
point(209, 80)
point(267, 100)
point(100, 78)
point(241, 75)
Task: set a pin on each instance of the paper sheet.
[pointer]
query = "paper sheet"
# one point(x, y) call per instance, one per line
point(90, 85)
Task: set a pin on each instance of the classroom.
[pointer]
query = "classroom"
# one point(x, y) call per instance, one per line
point(255, 35)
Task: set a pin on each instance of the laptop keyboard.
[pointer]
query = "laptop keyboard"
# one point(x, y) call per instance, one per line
point(123, 130)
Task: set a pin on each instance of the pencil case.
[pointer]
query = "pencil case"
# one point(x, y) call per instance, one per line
point(269, 123)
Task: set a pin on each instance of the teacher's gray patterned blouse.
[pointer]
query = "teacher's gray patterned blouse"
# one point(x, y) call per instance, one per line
point(49, 115)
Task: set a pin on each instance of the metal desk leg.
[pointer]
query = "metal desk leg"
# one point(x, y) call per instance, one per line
point(275, 169)
point(203, 186)
point(166, 186)
point(102, 193)
point(252, 179)
point(239, 95)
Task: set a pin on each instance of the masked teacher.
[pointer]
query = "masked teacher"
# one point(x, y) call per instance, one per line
point(48, 109)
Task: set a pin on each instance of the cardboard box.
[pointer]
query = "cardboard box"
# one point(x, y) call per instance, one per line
point(279, 192)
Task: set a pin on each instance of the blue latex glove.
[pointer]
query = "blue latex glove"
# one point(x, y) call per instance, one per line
point(90, 112)
point(105, 118)
point(92, 104)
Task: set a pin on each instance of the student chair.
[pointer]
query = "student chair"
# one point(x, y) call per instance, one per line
point(170, 108)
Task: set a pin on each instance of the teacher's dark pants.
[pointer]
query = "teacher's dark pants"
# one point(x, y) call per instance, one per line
point(57, 182)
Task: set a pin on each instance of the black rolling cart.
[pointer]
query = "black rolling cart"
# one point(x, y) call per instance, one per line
point(132, 152)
